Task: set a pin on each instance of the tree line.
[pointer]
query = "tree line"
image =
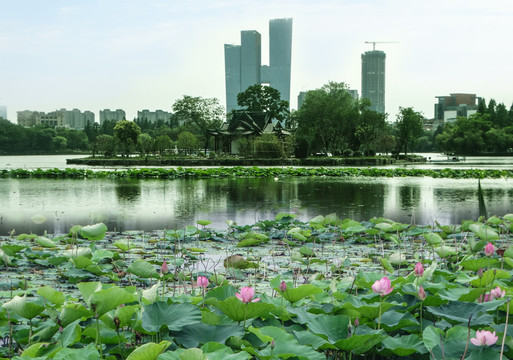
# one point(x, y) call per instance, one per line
point(329, 122)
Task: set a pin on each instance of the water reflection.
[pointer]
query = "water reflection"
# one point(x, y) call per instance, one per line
point(159, 204)
point(128, 191)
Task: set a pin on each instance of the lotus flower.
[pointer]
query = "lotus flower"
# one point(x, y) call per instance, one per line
point(246, 295)
point(484, 337)
point(382, 286)
point(497, 293)
point(489, 249)
point(283, 286)
point(419, 269)
point(485, 298)
point(202, 282)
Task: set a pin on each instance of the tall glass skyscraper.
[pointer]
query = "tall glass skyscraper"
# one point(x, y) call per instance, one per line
point(373, 79)
point(243, 62)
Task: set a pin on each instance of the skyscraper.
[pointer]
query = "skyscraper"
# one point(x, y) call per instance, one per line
point(243, 66)
point(373, 79)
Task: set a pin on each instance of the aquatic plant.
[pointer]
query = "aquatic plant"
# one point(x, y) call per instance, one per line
point(93, 299)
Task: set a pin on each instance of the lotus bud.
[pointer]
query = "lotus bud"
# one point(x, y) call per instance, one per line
point(489, 249)
point(164, 269)
point(419, 269)
point(480, 273)
point(421, 294)
point(283, 286)
point(202, 282)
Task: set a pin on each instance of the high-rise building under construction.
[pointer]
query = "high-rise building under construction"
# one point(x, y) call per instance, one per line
point(373, 79)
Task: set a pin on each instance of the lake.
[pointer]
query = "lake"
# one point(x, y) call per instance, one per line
point(36, 205)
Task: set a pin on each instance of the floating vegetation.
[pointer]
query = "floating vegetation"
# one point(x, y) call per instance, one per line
point(239, 171)
point(329, 288)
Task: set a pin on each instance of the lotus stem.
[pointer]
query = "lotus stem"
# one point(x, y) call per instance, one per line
point(505, 329)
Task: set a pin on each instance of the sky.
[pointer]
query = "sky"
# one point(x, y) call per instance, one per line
point(146, 54)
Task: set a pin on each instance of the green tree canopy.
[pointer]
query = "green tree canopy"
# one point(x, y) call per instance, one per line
point(187, 142)
point(202, 113)
point(409, 127)
point(126, 133)
point(266, 99)
point(327, 120)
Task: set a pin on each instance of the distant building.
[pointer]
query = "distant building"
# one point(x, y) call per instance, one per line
point(373, 79)
point(154, 116)
point(3, 112)
point(112, 115)
point(449, 108)
point(243, 66)
point(27, 118)
point(71, 119)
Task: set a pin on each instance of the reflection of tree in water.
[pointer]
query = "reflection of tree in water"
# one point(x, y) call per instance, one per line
point(128, 191)
point(409, 196)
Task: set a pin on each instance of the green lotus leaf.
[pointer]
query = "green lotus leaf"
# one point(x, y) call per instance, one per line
point(51, 295)
point(22, 307)
point(457, 312)
point(445, 251)
point(45, 242)
point(286, 345)
point(32, 350)
point(85, 353)
point(404, 345)
point(508, 217)
point(489, 276)
point(192, 335)
point(83, 251)
point(12, 250)
point(431, 337)
point(94, 232)
point(394, 320)
point(433, 239)
point(151, 294)
point(368, 310)
point(481, 263)
point(302, 291)
point(87, 289)
point(72, 312)
point(172, 316)
point(217, 351)
point(143, 269)
point(71, 334)
point(386, 265)
point(107, 299)
point(397, 258)
point(149, 351)
point(484, 232)
point(362, 340)
point(81, 262)
point(204, 222)
point(238, 311)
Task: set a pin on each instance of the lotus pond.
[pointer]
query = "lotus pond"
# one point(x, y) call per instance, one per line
point(327, 288)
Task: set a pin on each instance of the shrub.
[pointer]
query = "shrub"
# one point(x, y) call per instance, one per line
point(358, 153)
point(347, 153)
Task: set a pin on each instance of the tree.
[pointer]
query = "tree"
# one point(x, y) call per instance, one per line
point(409, 126)
point(264, 98)
point(203, 113)
point(370, 125)
point(187, 142)
point(126, 133)
point(144, 143)
point(327, 120)
point(161, 144)
point(106, 144)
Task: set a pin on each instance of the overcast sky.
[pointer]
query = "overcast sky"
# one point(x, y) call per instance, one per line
point(145, 54)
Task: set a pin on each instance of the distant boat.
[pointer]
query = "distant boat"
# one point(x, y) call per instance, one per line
point(450, 158)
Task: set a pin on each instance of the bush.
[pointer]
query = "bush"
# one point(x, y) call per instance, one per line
point(358, 153)
point(268, 146)
point(347, 153)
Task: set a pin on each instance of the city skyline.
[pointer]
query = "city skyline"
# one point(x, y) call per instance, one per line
point(134, 54)
point(243, 63)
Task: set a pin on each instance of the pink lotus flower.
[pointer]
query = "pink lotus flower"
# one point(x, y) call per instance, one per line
point(246, 295)
point(489, 249)
point(484, 337)
point(419, 269)
point(382, 286)
point(421, 294)
point(497, 293)
point(164, 269)
point(486, 298)
point(202, 282)
point(283, 286)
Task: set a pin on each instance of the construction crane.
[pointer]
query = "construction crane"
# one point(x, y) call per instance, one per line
point(380, 42)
